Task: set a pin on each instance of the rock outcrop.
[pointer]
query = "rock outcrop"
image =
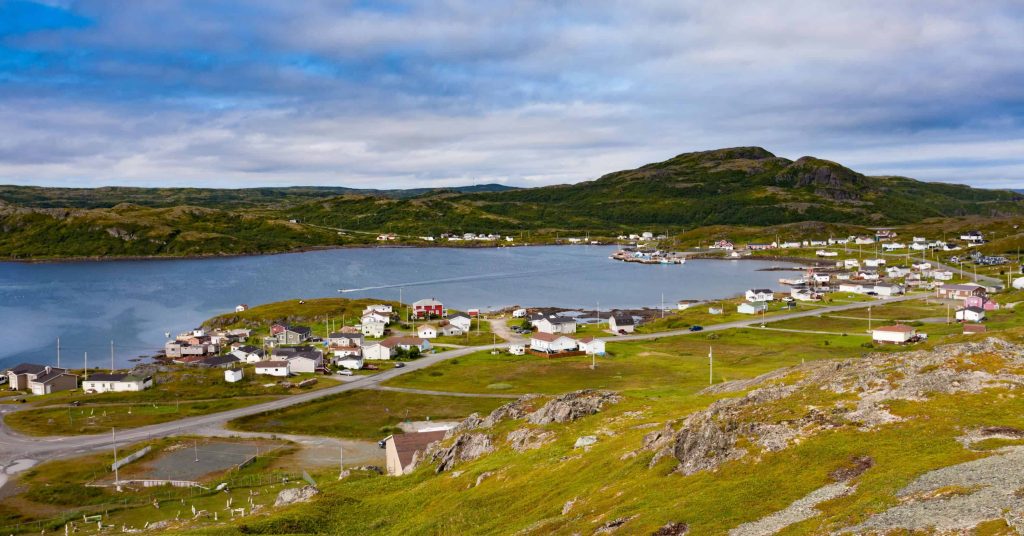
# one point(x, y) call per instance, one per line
point(466, 447)
point(295, 495)
point(572, 406)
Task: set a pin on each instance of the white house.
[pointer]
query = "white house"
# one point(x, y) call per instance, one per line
point(461, 321)
point(375, 316)
point(619, 322)
point(373, 329)
point(248, 354)
point(760, 295)
point(379, 350)
point(887, 289)
point(921, 266)
point(116, 383)
point(826, 253)
point(426, 331)
point(554, 324)
point(851, 263)
point(519, 313)
point(863, 240)
point(898, 334)
point(896, 272)
point(752, 308)
point(382, 308)
point(448, 330)
point(346, 351)
point(942, 275)
point(970, 314)
point(893, 246)
point(341, 338)
point(408, 343)
point(868, 276)
point(855, 288)
point(517, 349)
point(351, 362)
point(233, 375)
point(552, 343)
point(591, 346)
point(273, 368)
point(874, 263)
point(241, 308)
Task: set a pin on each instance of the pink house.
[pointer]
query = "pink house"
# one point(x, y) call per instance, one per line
point(981, 302)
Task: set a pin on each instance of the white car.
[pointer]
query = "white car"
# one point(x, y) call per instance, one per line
point(345, 372)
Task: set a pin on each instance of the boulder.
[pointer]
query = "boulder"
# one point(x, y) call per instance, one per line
point(295, 495)
point(585, 441)
point(528, 439)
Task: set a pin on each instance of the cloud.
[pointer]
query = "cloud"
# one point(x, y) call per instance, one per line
point(408, 94)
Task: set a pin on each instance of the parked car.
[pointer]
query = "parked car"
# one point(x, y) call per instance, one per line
point(696, 328)
point(345, 372)
point(399, 365)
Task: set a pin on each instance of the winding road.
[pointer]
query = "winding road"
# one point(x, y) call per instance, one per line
point(15, 449)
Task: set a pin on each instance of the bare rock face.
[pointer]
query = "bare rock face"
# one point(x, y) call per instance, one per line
point(672, 529)
point(466, 447)
point(613, 525)
point(572, 406)
point(705, 444)
point(295, 495)
point(528, 439)
point(513, 410)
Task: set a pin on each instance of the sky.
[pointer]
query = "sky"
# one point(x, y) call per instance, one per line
point(395, 94)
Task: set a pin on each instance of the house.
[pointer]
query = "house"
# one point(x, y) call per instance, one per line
point(752, 308)
point(289, 334)
point(851, 263)
point(182, 350)
point(921, 266)
point(519, 313)
point(621, 322)
point(218, 361)
point(970, 314)
point(591, 346)
point(346, 351)
point(761, 247)
point(426, 331)
point(40, 379)
point(874, 263)
point(897, 272)
point(242, 307)
point(409, 343)
point(552, 343)
point(855, 288)
point(461, 321)
point(351, 362)
point(517, 349)
point(863, 240)
point(233, 375)
point(893, 246)
point(341, 338)
point(374, 330)
point(387, 237)
point(429, 308)
point(116, 383)
point(868, 276)
point(248, 354)
point(981, 302)
point(942, 275)
point(448, 330)
point(554, 324)
point(375, 316)
point(822, 278)
point(400, 449)
point(760, 295)
point(273, 368)
point(974, 329)
point(379, 351)
point(973, 237)
point(803, 294)
point(382, 308)
point(301, 359)
point(898, 334)
point(826, 253)
point(888, 289)
point(959, 292)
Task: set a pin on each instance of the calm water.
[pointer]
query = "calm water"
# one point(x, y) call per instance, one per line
point(135, 302)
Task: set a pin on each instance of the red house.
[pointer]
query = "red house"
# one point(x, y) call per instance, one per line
point(429, 307)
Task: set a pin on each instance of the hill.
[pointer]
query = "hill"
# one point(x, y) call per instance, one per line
point(745, 186)
point(927, 441)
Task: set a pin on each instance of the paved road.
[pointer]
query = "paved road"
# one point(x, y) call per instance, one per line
point(15, 447)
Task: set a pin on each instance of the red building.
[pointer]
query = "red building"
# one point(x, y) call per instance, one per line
point(428, 308)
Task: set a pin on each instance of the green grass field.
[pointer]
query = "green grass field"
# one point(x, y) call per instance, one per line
point(368, 414)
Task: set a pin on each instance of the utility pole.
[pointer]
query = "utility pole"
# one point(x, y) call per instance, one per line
point(113, 439)
point(195, 445)
point(869, 319)
point(341, 461)
point(85, 367)
point(711, 365)
point(58, 343)
point(111, 356)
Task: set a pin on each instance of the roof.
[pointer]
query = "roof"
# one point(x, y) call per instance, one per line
point(54, 373)
point(345, 335)
point(100, 377)
point(973, 309)
point(216, 360)
point(271, 364)
point(548, 337)
point(458, 315)
point(291, 352)
point(762, 291)
point(248, 349)
point(391, 342)
point(622, 319)
point(586, 340)
point(28, 368)
point(558, 319)
point(962, 287)
point(900, 328)
point(407, 444)
point(426, 302)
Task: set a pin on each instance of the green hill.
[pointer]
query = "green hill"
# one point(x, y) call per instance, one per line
point(744, 186)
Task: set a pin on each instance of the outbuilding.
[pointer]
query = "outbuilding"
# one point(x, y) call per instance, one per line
point(897, 334)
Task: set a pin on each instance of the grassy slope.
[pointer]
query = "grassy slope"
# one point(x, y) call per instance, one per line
point(363, 414)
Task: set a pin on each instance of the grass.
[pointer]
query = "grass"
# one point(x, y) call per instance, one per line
point(472, 337)
point(314, 313)
point(363, 414)
point(69, 420)
point(665, 364)
point(698, 315)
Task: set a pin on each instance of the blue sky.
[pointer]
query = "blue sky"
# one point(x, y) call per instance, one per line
point(433, 93)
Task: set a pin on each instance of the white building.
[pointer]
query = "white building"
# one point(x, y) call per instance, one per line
point(517, 349)
point(351, 362)
point(752, 308)
point(519, 313)
point(233, 375)
point(760, 295)
point(970, 314)
point(888, 290)
point(273, 368)
point(591, 346)
point(461, 321)
point(248, 354)
point(855, 288)
point(552, 343)
point(241, 308)
point(620, 322)
point(426, 331)
point(942, 275)
point(382, 308)
point(116, 383)
point(554, 324)
point(373, 329)
point(874, 263)
point(898, 334)
point(375, 316)
point(379, 351)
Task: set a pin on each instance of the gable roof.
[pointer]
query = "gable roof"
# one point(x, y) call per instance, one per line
point(101, 377)
point(28, 368)
point(270, 364)
point(47, 377)
point(407, 444)
point(962, 287)
point(896, 329)
point(391, 342)
point(548, 337)
point(762, 291)
point(217, 360)
point(623, 319)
